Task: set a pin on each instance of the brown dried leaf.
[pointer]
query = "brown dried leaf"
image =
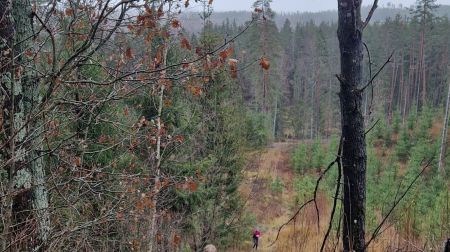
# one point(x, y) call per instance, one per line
point(29, 52)
point(69, 12)
point(192, 186)
point(102, 138)
point(175, 23)
point(264, 63)
point(176, 239)
point(233, 67)
point(185, 44)
point(77, 161)
point(258, 10)
point(128, 53)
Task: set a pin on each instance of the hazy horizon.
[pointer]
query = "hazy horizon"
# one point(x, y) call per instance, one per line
point(300, 5)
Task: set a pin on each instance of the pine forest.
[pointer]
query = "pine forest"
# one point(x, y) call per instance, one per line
point(174, 125)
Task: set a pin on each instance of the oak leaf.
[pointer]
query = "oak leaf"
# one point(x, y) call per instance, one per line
point(128, 53)
point(175, 23)
point(185, 44)
point(264, 63)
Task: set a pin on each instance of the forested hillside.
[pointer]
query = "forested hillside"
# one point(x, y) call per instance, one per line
point(305, 58)
point(140, 126)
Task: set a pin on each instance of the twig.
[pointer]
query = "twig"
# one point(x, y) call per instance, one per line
point(373, 126)
point(291, 219)
point(316, 189)
point(370, 76)
point(336, 195)
point(378, 72)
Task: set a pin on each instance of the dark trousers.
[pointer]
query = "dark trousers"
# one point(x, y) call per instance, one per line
point(255, 242)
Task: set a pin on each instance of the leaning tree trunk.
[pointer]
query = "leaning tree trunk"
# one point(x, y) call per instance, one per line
point(352, 121)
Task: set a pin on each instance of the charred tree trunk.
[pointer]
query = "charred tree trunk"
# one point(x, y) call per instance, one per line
point(354, 157)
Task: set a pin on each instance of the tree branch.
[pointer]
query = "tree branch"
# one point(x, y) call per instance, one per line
point(336, 195)
point(369, 16)
point(378, 72)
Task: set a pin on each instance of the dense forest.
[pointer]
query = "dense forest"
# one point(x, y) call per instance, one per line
point(140, 126)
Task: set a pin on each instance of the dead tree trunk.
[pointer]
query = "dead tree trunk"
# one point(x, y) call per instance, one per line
point(354, 157)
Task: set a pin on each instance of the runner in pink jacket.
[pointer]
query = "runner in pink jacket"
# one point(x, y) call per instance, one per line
point(256, 235)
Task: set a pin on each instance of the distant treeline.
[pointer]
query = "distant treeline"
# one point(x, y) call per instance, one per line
point(192, 22)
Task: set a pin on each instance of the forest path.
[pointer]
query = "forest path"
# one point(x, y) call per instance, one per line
point(272, 208)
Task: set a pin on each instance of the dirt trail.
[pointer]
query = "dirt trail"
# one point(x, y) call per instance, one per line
point(271, 208)
point(266, 205)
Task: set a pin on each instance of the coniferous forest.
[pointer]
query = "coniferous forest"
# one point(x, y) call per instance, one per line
point(142, 125)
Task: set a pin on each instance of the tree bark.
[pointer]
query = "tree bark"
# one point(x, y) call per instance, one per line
point(28, 207)
point(352, 121)
point(7, 116)
point(444, 135)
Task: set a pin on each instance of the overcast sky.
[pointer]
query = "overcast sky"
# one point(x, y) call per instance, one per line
point(301, 5)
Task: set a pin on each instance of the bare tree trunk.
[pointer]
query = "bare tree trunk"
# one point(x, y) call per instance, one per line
point(154, 214)
point(275, 118)
point(402, 87)
point(423, 67)
point(392, 90)
point(313, 108)
point(354, 157)
point(444, 135)
point(410, 90)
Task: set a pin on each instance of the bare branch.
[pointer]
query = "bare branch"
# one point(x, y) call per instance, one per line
point(378, 72)
point(373, 126)
point(336, 195)
point(291, 219)
point(369, 16)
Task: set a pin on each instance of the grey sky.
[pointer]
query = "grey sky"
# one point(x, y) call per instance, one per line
point(301, 5)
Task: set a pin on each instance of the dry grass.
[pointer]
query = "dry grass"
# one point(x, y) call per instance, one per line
point(272, 210)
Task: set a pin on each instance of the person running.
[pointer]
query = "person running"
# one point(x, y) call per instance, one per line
point(256, 235)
